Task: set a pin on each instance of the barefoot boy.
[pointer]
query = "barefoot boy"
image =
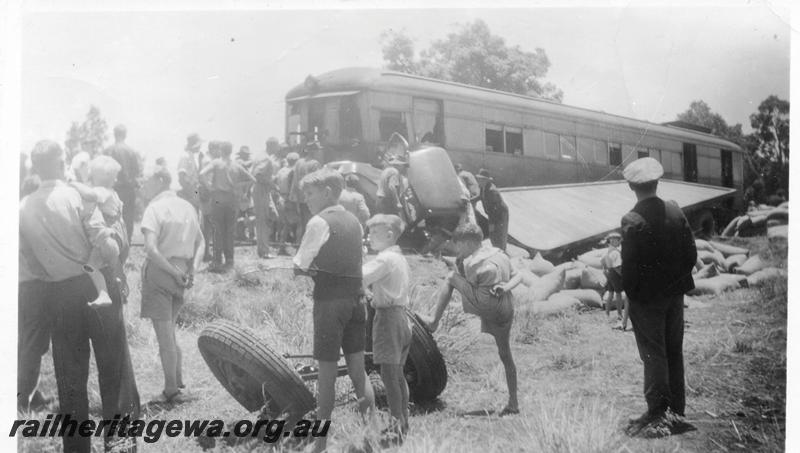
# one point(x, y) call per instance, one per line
point(612, 267)
point(330, 253)
point(389, 276)
point(485, 286)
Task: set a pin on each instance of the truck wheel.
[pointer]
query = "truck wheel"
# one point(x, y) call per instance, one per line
point(425, 370)
point(251, 372)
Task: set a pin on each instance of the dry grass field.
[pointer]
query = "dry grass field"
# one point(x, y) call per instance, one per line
point(579, 379)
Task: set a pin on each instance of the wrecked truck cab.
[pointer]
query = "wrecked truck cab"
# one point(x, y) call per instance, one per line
point(432, 202)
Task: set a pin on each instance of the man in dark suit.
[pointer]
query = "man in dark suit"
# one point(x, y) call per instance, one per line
point(658, 254)
point(495, 208)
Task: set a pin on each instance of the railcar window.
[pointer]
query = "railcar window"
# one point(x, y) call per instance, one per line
point(600, 152)
point(494, 140)
point(614, 154)
point(349, 119)
point(726, 161)
point(642, 153)
point(316, 120)
point(391, 122)
point(690, 162)
point(551, 145)
point(567, 147)
point(428, 121)
point(514, 141)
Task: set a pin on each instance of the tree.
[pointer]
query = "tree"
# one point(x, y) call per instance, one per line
point(700, 113)
point(89, 136)
point(768, 145)
point(474, 56)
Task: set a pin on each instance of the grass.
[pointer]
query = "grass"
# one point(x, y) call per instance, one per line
point(579, 380)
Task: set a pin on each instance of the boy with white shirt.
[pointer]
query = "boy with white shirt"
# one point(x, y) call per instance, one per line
point(330, 253)
point(389, 276)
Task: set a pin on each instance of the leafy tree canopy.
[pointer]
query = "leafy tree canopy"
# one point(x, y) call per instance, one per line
point(89, 136)
point(700, 113)
point(474, 56)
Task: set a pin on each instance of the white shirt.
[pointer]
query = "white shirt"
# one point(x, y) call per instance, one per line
point(390, 276)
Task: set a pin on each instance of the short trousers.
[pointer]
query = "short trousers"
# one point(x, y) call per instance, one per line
point(391, 336)
point(290, 214)
point(496, 313)
point(339, 324)
point(162, 297)
point(614, 280)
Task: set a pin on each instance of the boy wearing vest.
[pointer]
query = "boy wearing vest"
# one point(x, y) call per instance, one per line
point(330, 253)
point(485, 279)
point(389, 277)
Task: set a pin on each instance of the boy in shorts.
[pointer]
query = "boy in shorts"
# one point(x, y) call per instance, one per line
point(330, 253)
point(485, 278)
point(612, 267)
point(389, 277)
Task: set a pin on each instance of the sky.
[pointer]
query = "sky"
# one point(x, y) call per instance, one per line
point(224, 74)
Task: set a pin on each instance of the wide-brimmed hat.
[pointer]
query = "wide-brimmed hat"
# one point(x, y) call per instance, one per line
point(613, 235)
point(243, 151)
point(193, 142)
point(292, 157)
point(483, 174)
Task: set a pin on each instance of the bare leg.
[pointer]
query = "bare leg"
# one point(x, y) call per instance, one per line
point(165, 334)
point(361, 384)
point(396, 393)
point(326, 388)
point(179, 354)
point(625, 311)
point(504, 350)
point(445, 294)
point(607, 297)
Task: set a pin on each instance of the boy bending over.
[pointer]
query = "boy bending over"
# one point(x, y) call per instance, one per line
point(485, 279)
point(389, 276)
point(330, 253)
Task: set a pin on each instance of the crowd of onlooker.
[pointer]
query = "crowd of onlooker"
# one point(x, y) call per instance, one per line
point(77, 222)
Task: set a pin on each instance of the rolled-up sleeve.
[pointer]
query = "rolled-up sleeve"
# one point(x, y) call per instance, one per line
point(316, 235)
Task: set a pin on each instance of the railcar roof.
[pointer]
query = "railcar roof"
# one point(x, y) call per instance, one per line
point(350, 79)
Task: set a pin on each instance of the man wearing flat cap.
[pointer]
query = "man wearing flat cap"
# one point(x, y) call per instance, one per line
point(657, 263)
point(495, 208)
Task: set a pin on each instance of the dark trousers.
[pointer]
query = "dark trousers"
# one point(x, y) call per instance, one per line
point(223, 217)
point(499, 234)
point(658, 327)
point(33, 336)
point(207, 228)
point(75, 325)
point(128, 198)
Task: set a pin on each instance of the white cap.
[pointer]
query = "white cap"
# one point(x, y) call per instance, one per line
point(643, 171)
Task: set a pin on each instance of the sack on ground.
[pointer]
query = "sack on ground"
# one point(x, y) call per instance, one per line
point(592, 278)
point(548, 285)
point(728, 250)
point(753, 264)
point(778, 232)
point(712, 257)
point(593, 258)
point(707, 271)
point(572, 277)
point(713, 286)
point(765, 276)
point(701, 244)
point(588, 297)
point(540, 266)
point(734, 261)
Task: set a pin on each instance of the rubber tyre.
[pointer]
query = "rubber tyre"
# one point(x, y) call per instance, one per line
point(425, 370)
point(243, 364)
